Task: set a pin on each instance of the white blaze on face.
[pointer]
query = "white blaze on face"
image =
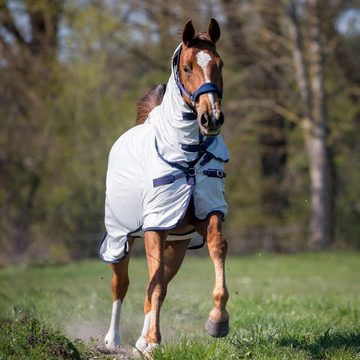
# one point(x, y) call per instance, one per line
point(203, 60)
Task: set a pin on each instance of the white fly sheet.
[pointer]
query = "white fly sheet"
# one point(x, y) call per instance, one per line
point(134, 202)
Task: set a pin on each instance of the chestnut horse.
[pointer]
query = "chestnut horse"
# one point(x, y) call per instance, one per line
point(193, 98)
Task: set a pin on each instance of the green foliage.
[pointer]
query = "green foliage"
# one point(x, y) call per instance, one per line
point(65, 102)
point(27, 338)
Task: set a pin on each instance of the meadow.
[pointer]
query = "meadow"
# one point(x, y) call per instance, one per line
point(303, 306)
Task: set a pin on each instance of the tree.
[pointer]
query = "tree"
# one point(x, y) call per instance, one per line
point(29, 60)
point(259, 61)
point(308, 62)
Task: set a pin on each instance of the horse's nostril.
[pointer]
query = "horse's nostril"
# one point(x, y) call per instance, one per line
point(221, 118)
point(204, 120)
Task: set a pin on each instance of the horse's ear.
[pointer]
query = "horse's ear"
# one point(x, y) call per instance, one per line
point(188, 32)
point(214, 30)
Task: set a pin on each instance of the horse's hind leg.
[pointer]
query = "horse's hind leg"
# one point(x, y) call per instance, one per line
point(119, 287)
point(174, 254)
point(217, 324)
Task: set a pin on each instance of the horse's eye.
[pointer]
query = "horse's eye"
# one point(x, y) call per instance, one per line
point(187, 68)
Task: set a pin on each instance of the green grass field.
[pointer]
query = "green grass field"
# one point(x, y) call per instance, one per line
point(304, 306)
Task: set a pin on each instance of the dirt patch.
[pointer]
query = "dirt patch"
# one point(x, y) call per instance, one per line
point(94, 332)
point(86, 331)
point(123, 353)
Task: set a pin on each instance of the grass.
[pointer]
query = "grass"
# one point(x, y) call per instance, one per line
point(28, 339)
point(304, 306)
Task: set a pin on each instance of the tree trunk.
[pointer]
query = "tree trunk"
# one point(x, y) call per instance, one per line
point(317, 142)
point(310, 79)
point(318, 154)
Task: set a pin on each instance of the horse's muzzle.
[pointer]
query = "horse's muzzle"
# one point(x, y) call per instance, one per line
point(210, 124)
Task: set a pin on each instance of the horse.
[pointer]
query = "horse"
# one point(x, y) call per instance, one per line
point(165, 183)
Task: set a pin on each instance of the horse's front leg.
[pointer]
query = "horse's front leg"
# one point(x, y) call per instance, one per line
point(156, 291)
point(119, 287)
point(217, 324)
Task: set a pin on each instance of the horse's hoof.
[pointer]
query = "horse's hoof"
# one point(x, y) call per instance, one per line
point(140, 346)
point(217, 329)
point(112, 341)
point(148, 353)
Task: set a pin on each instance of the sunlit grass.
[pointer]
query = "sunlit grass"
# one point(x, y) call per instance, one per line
point(304, 306)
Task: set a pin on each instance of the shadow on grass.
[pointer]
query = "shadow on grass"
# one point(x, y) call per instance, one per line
point(309, 345)
point(325, 343)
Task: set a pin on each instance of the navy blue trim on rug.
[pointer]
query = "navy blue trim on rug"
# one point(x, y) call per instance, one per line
point(219, 159)
point(196, 247)
point(99, 246)
point(189, 116)
point(212, 213)
point(184, 234)
point(167, 179)
point(132, 232)
point(202, 146)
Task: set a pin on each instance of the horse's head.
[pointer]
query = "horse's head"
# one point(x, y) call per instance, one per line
point(200, 74)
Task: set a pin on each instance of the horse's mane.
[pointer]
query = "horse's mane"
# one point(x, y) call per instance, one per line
point(150, 100)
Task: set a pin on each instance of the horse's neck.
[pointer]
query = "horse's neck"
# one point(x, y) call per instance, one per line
point(173, 109)
point(171, 129)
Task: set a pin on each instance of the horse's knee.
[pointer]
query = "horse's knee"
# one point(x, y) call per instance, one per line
point(218, 246)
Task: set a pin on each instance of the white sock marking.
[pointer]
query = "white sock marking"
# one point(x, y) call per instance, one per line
point(112, 338)
point(141, 343)
point(146, 326)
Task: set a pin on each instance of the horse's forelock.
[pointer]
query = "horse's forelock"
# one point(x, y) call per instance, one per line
point(201, 39)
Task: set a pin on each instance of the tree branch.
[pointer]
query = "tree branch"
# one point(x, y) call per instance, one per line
point(7, 21)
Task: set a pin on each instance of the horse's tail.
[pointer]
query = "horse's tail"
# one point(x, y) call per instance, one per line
point(150, 100)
